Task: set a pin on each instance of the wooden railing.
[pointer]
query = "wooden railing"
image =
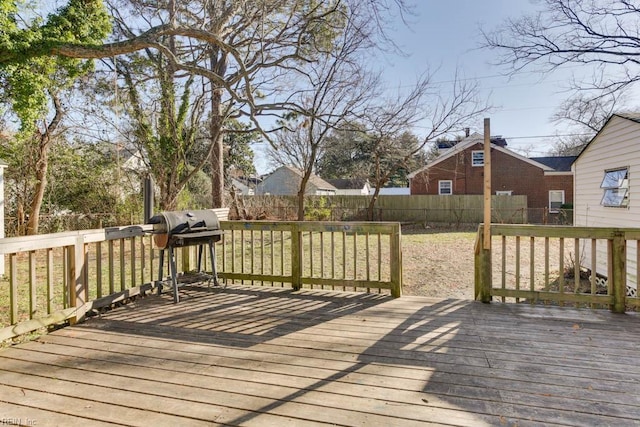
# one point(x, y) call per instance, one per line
point(61, 277)
point(325, 255)
point(57, 277)
point(577, 266)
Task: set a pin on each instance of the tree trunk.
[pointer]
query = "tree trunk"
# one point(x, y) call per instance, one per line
point(372, 203)
point(217, 151)
point(379, 181)
point(42, 165)
point(21, 226)
point(168, 201)
point(301, 194)
point(218, 64)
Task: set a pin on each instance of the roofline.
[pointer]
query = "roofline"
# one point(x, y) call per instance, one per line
point(472, 141)
point(300, 173)
point(558, 173)
point(474, 138)
point(621, 115)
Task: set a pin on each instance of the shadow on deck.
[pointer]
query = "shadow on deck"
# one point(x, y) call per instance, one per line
point(256, 356)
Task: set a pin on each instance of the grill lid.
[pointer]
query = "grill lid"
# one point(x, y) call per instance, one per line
point(180, 228)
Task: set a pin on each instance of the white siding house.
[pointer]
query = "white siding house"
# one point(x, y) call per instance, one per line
point(286, 180)
point(350, 187)
point(607, 187)
point(392, 191)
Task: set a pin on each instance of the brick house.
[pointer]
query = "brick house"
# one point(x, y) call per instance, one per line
point(546, 181)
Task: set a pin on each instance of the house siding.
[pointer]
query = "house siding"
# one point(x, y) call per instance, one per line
point(616, 145)
point(285, 181)
point(507, 174)
point(281, 182)
point(352, 192)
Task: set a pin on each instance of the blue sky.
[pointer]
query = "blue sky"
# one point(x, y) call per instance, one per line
point(445, 35)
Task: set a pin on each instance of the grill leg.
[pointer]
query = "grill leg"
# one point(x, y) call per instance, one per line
point(174, 279)
point(212, 254)
point(200, 251)
point(160, 271)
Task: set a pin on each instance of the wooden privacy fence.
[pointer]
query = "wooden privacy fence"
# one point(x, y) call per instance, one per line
point(453, 209)
point(578, 266)
point(60, 277)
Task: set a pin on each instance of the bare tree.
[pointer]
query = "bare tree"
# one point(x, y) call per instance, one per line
point(603, 34)
point(390, 118)
point(336, 88)
point(585, 116)
point(243, 48)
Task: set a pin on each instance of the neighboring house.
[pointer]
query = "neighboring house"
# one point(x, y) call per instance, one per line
point(132, 161)
point(547, 182)
point(351, 186)
point(132, 164)
point(392, 191)
point(245, 186)
point(605, 173)
point(285, 181)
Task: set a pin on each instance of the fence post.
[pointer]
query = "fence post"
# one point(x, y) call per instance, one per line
point(296, 257)
point(77, 284)
point(396, 261)
point(618, 271)
point(482, 269)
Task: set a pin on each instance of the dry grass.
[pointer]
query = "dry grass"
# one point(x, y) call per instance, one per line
point(440, 262)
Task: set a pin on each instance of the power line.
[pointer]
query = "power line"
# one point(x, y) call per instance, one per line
point(546, 136)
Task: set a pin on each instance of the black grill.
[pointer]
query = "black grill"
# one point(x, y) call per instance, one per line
point(175, 229)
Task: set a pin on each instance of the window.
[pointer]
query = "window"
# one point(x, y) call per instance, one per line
point(504, 193)
point(616, 188)
point(556, 200)
point(477, 158)
point(445, 187)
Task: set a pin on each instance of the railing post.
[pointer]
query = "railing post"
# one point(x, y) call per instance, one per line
point(296, 257)
point(482, 269)
point(618, 271)
point(77, 284)
point(396, 261)
point(187, 264)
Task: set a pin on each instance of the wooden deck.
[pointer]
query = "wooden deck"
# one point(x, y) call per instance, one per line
point(253, 356)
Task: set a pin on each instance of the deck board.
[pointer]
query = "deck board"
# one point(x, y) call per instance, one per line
point(270, 356)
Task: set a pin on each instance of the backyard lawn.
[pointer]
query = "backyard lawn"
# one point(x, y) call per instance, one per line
point(438, 263)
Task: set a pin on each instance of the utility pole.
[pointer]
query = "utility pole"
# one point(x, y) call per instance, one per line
point(487, 184)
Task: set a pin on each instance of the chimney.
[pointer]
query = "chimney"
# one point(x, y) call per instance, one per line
point(466, 132)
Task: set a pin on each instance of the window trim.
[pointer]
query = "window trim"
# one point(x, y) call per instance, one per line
point(613, 186)
point(442, 181)
point(473, 159)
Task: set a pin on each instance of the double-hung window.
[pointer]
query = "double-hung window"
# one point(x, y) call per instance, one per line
point(477, 158)
point(445, 187)
point(556, 200)
point(616, 188)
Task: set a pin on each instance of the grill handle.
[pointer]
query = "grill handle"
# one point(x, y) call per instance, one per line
point(195, 224)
